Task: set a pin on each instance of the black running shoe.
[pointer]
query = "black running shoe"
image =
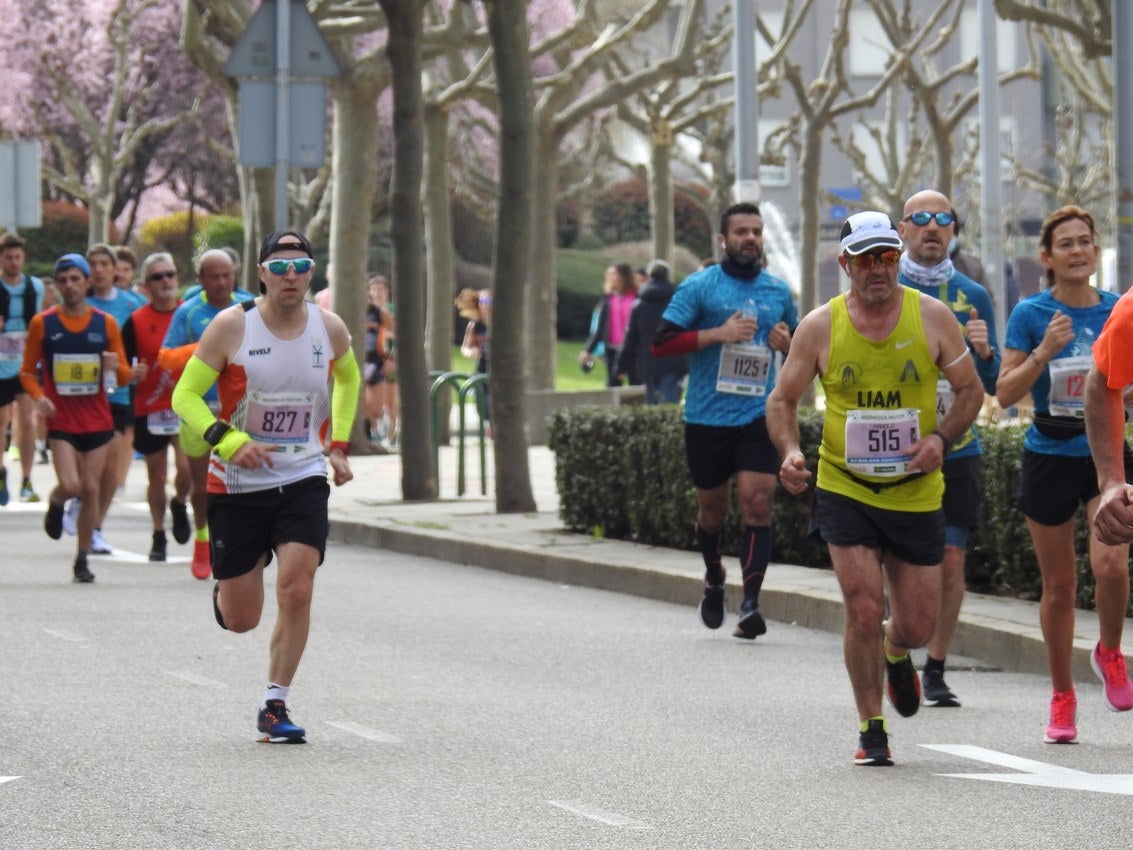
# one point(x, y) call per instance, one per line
point(904, 686)
point(276, 727)
point(751, 624)
point(873, 746)
point(83, 575)
point(157, 550)
point(936, 693)
point(181, 528)
point(53, 520)
point(712, 606)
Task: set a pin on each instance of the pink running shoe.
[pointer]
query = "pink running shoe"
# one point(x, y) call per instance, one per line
point(1110, 667)
point(202, 560)
point(1063, 714)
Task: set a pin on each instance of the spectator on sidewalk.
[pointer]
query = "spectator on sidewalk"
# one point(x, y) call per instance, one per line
point(380, 367)
point(619, 292)
point(661, 375)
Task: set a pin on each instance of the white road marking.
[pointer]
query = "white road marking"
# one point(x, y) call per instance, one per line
point(194, 679)
point(4, 779)
point(62, 634)
point(364, 732)
point(601, 815)
point(1036, 772)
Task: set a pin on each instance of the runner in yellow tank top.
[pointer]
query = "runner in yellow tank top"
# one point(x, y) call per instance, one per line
point(880, 398)
point(878, 351)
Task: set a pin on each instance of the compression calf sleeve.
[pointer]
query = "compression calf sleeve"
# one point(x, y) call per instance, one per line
point(755, 554)
point(710, 543)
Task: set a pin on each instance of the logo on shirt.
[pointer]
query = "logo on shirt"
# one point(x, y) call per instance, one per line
point(317, 355)
point(259, 352)
point(910, 373)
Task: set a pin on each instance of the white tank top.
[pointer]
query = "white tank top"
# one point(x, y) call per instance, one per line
point(278, 391)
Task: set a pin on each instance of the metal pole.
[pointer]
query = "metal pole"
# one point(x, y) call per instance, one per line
point(1123, 139)
point(991, 216)
point(747, 103)
point(282, 102)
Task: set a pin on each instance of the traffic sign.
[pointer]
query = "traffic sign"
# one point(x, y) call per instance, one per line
point(20, 197)
point(255, 53)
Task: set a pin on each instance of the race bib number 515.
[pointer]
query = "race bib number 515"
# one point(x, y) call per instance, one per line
point(877, 441)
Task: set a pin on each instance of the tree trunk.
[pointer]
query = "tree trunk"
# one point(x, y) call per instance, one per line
point(661, 190)
point(541, 295)
point(406, 22)
point(507, 25)
point(810, 160)
point(441, 255)
point(355, 129)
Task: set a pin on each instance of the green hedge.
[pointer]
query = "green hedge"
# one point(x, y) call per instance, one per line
point(621, 473)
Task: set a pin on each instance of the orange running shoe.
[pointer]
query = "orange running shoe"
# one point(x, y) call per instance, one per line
point(202, 560)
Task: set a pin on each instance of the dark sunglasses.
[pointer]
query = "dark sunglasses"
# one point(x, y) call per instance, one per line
point(865, 262)
point(302, 265)
point(920, 219)
point(161, 276)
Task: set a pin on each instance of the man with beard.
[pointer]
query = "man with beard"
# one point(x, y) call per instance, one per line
point(928, 227)
point(879, 350)
point(731, 319)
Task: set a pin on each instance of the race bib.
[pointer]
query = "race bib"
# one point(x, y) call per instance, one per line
point(944, 397)
point(1068, 386)
point(12, 346)
point(877, 441)
point(77, 374)
point(281, 418)
point(744, 369)
point(163, 423)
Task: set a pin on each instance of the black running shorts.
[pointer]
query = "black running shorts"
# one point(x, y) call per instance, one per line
point(915, 537)
point(715, 453)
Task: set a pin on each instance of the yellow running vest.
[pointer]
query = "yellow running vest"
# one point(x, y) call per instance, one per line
point(880, 397)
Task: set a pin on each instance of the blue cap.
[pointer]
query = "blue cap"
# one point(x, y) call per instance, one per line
point(73, 261)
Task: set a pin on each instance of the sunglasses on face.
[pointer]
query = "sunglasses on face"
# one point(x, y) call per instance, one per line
point(161, 276)
point(301, 265)
point(865, 262)
point(920, 219)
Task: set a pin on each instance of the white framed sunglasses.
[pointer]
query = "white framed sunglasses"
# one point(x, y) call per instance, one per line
point(301, 265)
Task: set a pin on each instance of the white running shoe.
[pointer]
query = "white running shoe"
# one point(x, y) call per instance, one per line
point(99, 544)
point(71, 516)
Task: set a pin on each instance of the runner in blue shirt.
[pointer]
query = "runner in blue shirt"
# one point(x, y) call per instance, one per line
point(927, 228)
point(1048, 351)
point(733, 320)
point(217, 275)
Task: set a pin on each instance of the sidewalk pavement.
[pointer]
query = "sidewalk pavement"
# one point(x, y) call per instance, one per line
point(369, 511)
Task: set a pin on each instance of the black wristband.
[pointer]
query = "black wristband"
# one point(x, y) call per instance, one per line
point(216, 432)
point(947, 443)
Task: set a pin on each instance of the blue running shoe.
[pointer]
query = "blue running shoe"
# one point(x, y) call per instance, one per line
point(751, 624)
point(3, 486)
point(276, 727)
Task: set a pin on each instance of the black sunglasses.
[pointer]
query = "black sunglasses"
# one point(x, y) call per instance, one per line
point(161, 276)
point(920, 219)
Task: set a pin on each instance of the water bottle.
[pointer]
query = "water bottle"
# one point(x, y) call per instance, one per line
point(110, 379)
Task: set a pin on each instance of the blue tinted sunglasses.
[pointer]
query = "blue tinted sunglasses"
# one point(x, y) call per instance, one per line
point(920, 219)
point(302, 265)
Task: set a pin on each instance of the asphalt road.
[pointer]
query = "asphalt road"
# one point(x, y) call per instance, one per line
point(453, 707)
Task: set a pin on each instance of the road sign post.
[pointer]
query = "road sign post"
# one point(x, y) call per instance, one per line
point(277, 126)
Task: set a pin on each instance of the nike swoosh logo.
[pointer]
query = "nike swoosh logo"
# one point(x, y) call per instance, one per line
point(901, 345)
point(55, 337)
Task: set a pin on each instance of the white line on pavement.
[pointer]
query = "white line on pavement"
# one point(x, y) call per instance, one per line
point(194, 679)
point(364, 732)
point(600, 815)
point(62, 634)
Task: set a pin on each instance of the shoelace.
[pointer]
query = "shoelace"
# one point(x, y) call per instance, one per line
point(1113, 663)
point(1063, 709)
